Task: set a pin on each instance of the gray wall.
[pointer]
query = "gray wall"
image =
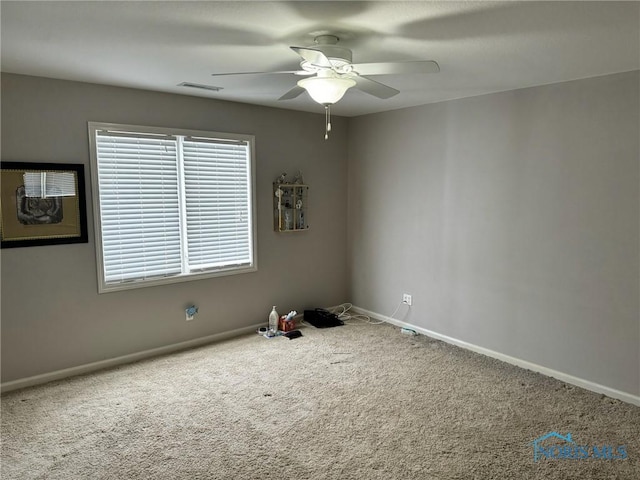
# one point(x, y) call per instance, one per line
point(512, 219)
point(52, 315)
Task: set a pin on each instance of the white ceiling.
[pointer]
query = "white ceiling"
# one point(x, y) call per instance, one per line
point(481, 47)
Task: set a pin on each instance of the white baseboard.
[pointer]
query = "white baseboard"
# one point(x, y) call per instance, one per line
point(579, 382)
point(133, 357)
point(124, 359)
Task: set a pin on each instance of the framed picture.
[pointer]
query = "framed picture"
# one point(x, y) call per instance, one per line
point(42, 204)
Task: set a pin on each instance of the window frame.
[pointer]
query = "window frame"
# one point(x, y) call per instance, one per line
point(103, 286)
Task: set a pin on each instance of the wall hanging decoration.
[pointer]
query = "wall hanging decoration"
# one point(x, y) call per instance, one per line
point(290, 204)
point(42, 204)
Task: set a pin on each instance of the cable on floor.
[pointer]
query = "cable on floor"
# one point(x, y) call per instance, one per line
point(342, 311)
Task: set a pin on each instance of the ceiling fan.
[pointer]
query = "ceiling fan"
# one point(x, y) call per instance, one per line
point(330, 73)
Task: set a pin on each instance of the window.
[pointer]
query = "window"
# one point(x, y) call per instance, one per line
point(170, 205)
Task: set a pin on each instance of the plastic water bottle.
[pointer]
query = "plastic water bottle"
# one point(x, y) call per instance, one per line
point(273, 321)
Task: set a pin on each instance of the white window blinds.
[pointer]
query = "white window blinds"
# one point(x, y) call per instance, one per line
point(172, 205)
point(217, 203)
point(139, 206)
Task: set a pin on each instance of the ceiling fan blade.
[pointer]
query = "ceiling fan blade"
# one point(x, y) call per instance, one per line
point(374, 88)
point(293, 93)
point(396, 68)
point(294, 72)
point(313, 56)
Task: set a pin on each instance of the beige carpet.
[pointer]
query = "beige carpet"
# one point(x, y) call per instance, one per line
point(355, 402)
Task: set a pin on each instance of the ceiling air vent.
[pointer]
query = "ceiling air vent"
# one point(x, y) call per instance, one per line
point(200, 86)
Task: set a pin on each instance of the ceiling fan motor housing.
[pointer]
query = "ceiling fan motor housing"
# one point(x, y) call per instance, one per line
point(339, 57)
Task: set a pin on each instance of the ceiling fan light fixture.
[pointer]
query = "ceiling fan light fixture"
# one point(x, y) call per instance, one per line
point(326, 90)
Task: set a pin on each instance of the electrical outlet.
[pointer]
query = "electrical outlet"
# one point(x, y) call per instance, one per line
point(406, 298)
point(190, 312)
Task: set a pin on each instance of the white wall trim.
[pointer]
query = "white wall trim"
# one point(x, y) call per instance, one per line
point(133, 357)
point(565, 377)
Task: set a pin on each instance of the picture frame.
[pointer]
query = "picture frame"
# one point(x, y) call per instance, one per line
point(42, 204)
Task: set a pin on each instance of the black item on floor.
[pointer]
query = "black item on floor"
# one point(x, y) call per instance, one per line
point(321, 318)
point(293, 334)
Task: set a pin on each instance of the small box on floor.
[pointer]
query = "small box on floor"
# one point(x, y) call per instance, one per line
point(285, 325)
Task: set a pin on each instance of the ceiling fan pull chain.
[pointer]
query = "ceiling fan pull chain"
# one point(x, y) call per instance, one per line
point(327, 118)
point(326, 122)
